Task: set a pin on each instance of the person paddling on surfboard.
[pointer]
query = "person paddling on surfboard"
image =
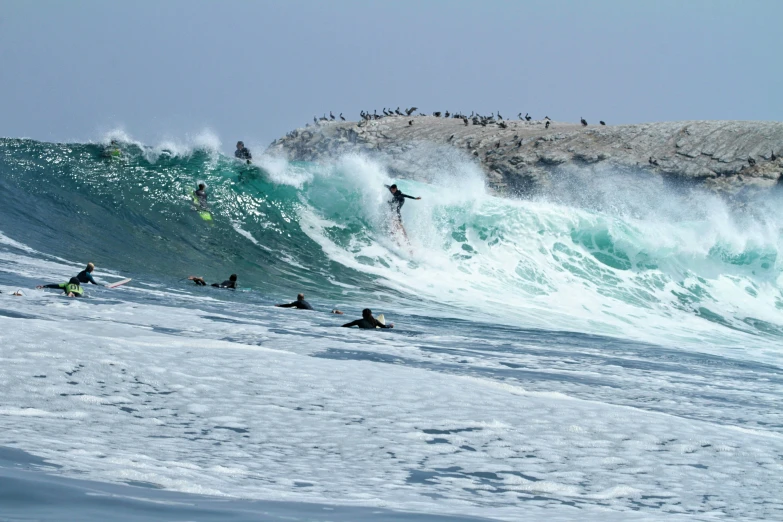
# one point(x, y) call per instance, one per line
point(85, 276)
point(301, 304)
point(243, 152)
point(368, 321)
point(231, 283)
point(395, 204)
point(72, 288)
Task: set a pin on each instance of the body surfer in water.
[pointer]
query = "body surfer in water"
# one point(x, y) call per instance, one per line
point(395, 204)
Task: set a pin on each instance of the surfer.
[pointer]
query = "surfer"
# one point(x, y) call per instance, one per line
point(72, 288)
point(367, 321)
point(231, 283)
point(395, 204)
point(243, 152)
point(85, 276)
point(112, 149)
point(201, 196)
point(301, 304)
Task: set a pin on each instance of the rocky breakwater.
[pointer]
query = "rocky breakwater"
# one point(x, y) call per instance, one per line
point(520, 157)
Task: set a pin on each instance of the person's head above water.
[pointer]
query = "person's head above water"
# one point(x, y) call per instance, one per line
point(201, 186)
point(240, 145)
point(393, 189)
point(74, 281)
point(232, 277)
point(366, 313)
point(300, 297)
point(90, 267)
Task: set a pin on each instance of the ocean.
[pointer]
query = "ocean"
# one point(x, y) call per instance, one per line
point(607, 350)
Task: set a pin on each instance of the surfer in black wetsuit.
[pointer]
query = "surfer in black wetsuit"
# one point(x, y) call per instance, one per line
point(85, 276)
point(72, 288)
point(367, 321)
point(301, 304)
point(201, 196)
point(231, 283)
point(395, 204)
point(243, 152)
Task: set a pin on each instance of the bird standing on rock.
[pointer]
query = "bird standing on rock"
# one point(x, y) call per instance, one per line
point(547, 124)
point(528, 117)
point(773, 157)
point(752, 162)
point(652, 161)
point(602, 122)
point(584, 122)
point(341, 116)
point(331, 116)
point(465, 120)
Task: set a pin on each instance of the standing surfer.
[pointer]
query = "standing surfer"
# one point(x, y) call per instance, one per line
point(395, 204)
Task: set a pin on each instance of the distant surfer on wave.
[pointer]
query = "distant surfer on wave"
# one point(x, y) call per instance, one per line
point(243, 152)
point(301, 304)
point(368, 321)
point(231, 283)
point(72, 288)
point(395, 204)
point(201, 196)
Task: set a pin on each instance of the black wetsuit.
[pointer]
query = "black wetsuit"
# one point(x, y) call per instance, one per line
point(85, 277)
point(69, 288)
point(201, 195)
point(226, 284)
point(366, 323)
point(243, 154)
point(397, 201)
point(299, 304)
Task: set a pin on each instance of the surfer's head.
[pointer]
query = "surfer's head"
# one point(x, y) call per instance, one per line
point(74, 281)
point(201, 186)
point(300, 297)
point(393, 189)
point(366, 313)
point(240, 145)
point(90, 267)
point(232, 277)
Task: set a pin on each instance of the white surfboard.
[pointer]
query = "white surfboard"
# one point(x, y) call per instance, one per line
point(381, 319)
point(118, 283)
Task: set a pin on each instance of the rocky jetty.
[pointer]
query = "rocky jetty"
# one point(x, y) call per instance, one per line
point(519, 156)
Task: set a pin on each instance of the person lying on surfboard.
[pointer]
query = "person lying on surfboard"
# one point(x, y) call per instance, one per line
point(395, 204)
point(231, 283)
point(368, 321)
point(72, 288)
point(85, 276)
point(301, 304)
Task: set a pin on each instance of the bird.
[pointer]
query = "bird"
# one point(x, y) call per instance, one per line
point(602, 122)
point(450, 138)
point(331, 116)
point(499, 116)
point(503, 125)
point(324, 118)
point(584, 122)
point(497, 145)
point(652, 161)
point(410, 111)
point(547, 124)
point(410, 122)
point(436, 114)
point(397, 112)
point(547, 118)
point(384, 112)
point(341, 116)
point(751, 161)
point(528, 117)
point(520, 116)
point(466, 122)
point(446, 115)
point(315, 120)
point(773, 157)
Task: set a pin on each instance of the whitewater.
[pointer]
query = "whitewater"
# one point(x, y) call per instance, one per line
point(607, 350)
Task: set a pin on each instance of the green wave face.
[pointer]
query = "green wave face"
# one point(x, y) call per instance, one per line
point(645, 262)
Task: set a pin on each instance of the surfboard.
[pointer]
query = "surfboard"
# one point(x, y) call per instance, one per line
point(381, 319)
point(119, 283)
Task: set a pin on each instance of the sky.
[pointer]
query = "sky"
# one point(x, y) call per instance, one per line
point(254, 70)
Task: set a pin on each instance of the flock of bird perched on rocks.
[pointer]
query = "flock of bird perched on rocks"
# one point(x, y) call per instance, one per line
point(475, 118)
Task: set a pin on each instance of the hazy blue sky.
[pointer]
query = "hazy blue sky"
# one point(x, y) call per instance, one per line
point(257, 69)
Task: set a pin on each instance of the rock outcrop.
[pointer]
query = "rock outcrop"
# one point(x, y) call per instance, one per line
point(519, 156)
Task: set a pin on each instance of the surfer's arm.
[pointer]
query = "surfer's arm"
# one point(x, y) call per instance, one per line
point(289, 305)
point(379, 324)
point(53, 285)
point(352, 323)
point(409, 197)
point(90, 279)
point(198, 280)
